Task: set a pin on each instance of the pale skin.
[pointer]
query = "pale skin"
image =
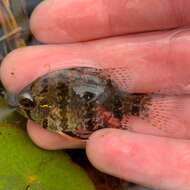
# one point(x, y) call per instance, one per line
point(158, 53)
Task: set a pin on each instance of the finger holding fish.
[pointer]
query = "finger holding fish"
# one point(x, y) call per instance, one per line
point(135, 67)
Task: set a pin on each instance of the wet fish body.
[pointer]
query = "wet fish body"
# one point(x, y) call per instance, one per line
point(78, 101)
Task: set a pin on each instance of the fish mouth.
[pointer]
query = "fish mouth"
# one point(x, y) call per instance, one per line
point(12, 100)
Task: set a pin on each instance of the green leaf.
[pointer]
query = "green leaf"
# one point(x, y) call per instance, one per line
point(23, 166)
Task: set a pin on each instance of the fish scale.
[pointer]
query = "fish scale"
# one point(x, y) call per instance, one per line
point(78, 101)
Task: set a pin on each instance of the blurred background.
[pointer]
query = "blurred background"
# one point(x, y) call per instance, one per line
point(14, 29)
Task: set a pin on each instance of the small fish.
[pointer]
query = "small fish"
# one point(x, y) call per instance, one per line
point(78, 101)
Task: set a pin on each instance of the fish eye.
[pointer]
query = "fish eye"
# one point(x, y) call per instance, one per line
point(88, 96)
point(26, 100)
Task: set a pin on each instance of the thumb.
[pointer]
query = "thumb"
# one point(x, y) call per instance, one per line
point(152, 161)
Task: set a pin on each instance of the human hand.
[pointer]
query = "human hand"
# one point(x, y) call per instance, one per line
point(155, 61)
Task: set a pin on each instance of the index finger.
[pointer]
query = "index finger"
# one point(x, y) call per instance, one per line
point(56, 21)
